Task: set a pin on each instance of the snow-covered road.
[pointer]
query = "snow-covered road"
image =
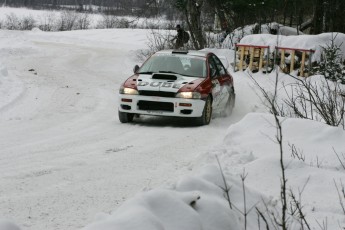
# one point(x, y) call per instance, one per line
point(64, 156)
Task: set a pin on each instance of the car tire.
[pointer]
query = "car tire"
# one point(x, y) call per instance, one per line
point(125, 117)
point(230, 104)
point(205, 119)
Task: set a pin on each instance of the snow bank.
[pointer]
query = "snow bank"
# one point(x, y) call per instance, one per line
point(190, 205)
point(197, 202)
point(194, 203)
point(236, 36)
point(250, 144)
point(314, 42)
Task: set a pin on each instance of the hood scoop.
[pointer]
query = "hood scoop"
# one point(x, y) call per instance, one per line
point(164, 76)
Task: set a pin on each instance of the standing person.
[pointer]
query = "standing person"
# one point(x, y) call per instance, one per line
point(181, 37)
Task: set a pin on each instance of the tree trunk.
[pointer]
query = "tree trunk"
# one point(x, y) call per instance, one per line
point(318, 18)
point(193, 15)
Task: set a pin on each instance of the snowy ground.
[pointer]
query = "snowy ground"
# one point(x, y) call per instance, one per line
point(65, 159)
point(64, 154)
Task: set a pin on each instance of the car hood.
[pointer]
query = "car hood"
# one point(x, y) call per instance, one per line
point(166, 82)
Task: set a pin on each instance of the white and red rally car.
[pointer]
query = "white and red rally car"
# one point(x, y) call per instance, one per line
point(180, 84)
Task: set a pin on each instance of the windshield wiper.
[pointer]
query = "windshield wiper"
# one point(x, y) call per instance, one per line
point(168, 72)
point(148, 72)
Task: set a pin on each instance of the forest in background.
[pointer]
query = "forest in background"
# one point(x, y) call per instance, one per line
point(309, 16)
point(198, 16)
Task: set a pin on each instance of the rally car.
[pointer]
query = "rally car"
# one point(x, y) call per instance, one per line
point(178, 83)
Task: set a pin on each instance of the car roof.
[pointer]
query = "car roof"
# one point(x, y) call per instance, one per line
point(199, 53)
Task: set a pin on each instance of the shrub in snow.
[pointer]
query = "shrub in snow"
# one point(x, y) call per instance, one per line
point(157, 40)
point(27, 23)
point(47, 22)
point(331, 65)
point(107, 22)
point(111, 21)
point(314, 98)
point(12, 22)
point(122, 23)
point(83, 21)
point(67, 20)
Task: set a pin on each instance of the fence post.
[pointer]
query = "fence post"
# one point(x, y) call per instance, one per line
point(261, 56)
point(241, 58)
point(282, 59)
point(235, 57)
point(310, 59)
point(251, 58)
point(292, 61)
point(267, 59)
point(302, 64)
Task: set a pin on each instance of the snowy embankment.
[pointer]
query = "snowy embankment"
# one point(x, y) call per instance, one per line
point(198, 202)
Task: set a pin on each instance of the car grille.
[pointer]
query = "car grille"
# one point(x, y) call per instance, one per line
point(157, 106)
point(156, 93)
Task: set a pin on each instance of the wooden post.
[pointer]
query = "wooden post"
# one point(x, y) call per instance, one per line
point(261, 58)
point(282, 59)
point(235, 58)
point(302, 64)
point(241, 58)
point(292, 61)
point(268, 59)
point(251, 53)
point(310, 60)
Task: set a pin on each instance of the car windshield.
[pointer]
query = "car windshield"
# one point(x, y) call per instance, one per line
point(178, 64)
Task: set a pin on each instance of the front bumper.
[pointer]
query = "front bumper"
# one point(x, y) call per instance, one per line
point(161, 106)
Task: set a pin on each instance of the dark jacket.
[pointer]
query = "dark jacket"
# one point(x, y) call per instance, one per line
point(179, 38)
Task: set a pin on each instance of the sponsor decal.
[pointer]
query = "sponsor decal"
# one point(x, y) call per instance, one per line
point(160, 84)
point(143, 83)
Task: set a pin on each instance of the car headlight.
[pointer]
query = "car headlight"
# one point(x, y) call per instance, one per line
point(124, 90)
point(189, 95)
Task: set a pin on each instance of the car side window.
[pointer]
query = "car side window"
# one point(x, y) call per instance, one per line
point(213, 67)
point(219, 65)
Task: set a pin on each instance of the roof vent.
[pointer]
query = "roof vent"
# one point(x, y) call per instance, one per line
point(180, 51)
point(164, 76)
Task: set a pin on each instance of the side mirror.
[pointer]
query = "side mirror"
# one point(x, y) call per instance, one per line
point(136, 68)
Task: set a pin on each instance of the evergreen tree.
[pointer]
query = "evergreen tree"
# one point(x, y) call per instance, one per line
point(331, 64)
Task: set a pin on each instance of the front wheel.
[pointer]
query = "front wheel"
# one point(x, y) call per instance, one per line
point(125, 117)
point(206, 114)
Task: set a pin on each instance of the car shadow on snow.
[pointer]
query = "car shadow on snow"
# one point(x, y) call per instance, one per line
point(161, 121)
point(158, 121)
